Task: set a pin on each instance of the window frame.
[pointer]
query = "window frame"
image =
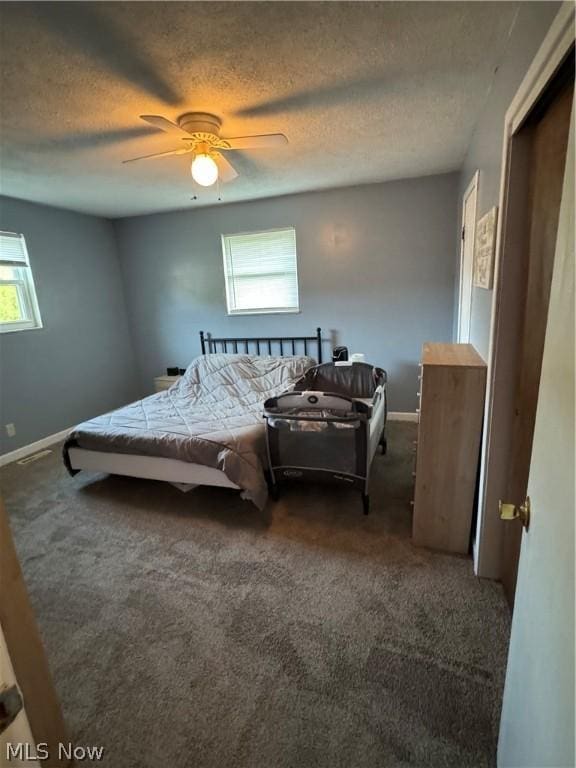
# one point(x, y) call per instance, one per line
point(228, 282)
point(23, 280)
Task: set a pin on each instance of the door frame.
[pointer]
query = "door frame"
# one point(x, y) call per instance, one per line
point(507, 303)
point(471, 189)
point(537, 719)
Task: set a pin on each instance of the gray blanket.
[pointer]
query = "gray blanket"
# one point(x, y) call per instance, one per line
point(211, 416)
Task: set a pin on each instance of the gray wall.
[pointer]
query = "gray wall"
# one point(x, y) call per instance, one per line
point(485, 150)
point(80, 363)
point(376, 272)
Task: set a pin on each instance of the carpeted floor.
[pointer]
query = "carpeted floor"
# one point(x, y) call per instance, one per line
point(192, 630)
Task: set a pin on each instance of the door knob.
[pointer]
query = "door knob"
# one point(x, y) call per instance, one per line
point(512, 512)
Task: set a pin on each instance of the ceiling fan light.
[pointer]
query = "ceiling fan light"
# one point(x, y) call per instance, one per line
point(204, 170)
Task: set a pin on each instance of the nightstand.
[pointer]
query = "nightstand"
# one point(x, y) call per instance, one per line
point(164, 382)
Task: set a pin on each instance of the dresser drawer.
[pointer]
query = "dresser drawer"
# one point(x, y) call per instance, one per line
point(451, 407)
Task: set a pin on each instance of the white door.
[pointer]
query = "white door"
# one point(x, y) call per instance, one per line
point(467, 259)
point(537, 724)
point(18, 732)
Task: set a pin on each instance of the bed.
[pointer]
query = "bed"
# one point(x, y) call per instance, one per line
point(207, 428)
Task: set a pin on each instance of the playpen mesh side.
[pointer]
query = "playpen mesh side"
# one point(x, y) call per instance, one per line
point(314, 444)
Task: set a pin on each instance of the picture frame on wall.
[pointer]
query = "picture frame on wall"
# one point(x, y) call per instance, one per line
point(484, 249)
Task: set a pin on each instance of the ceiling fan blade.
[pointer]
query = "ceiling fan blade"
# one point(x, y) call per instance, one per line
point(258, 142)
point(226, 170)
point(166, 125)
point(160, 154)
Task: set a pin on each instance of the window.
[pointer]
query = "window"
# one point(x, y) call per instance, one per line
point(260, 272)
point(18, 305)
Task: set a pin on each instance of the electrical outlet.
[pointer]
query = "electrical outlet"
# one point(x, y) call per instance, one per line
point(10, 430)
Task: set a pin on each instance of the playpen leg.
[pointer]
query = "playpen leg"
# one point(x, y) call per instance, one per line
point(366, 503)
point(273, 487)
point(383, 443)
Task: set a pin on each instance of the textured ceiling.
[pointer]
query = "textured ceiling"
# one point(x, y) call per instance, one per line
point(364, 92)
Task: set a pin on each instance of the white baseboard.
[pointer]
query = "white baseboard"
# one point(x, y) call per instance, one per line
point(402, 416)
point(39, 445)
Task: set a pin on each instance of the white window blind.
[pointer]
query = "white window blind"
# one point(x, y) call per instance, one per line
point(13, 250)
point(261, 272)
point(18, 303)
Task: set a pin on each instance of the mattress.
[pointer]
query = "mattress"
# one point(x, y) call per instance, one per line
point(211, 416)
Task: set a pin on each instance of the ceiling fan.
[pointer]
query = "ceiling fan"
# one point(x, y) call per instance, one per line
point(201, 132)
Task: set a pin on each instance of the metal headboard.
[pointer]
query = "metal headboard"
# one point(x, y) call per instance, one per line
point(210, 344)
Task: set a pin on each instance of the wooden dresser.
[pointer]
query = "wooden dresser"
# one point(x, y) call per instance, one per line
point(452, 388)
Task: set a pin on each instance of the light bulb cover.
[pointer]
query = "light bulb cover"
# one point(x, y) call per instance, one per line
point(204, 170)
